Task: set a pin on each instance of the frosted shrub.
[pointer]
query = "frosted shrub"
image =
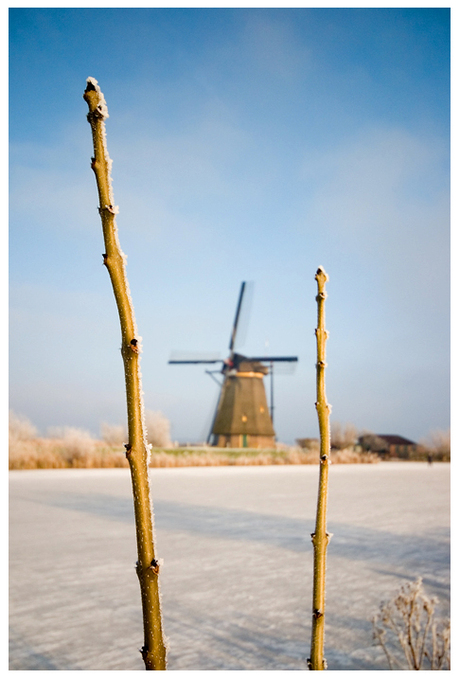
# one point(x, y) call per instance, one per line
point(438, 444)
point(309, 444)
point(351, 456)
point(21, 428)
point(76, 444)
point(372, 443)
point(343, 436)
point(158, 429)
point(409, 633)
point(114, 434)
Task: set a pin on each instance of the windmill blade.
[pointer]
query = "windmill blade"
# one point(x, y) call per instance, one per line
point(237, 315)
point(242, 315)
point(280, 365)
point(194, 357)
point(245, 312)
point(273, 359)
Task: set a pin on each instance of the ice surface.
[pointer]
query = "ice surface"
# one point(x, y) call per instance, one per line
point(237, 575)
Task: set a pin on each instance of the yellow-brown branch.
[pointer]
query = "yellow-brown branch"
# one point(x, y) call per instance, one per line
point(154, 650)
point(320, 537)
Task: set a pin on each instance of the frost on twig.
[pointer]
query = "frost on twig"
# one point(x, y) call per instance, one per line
point(410, 635)
point(137, 448)
point(320, 537)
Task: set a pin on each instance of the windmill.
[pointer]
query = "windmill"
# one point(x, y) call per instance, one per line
point(242, 418)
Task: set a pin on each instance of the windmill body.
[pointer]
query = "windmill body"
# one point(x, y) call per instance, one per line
point(242, 418)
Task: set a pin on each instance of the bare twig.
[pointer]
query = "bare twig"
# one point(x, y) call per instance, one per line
point(320, 537)
point(137, 450)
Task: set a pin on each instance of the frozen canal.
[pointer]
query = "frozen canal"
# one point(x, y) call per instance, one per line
point(237, 574)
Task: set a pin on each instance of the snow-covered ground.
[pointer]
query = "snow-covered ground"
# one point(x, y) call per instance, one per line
point(237, 574)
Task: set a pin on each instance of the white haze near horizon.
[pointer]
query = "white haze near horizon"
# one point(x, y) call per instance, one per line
point(247, 145)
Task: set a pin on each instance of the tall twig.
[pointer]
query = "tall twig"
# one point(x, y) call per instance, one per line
point(320, 537)
point(137, 449)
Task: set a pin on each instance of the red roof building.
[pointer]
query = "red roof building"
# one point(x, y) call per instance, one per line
point(398, 446)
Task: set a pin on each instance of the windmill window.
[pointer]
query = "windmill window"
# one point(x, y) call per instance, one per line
point(262, 409)
point(244, 418)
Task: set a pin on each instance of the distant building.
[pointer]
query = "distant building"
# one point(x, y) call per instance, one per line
point(307, 444)
point(398, 446)
point(388, 445)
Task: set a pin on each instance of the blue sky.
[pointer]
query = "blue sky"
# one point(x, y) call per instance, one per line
point(247, 144)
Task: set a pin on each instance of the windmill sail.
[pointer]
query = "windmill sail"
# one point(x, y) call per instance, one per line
point(241, 316)
point(237, 317)
point(194, 357)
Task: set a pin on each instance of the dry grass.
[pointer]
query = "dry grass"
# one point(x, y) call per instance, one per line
point(215, 457)
point(196, 457)
point(350, 456)
point(75, 449)
point(70, 447)
point(63, 453)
